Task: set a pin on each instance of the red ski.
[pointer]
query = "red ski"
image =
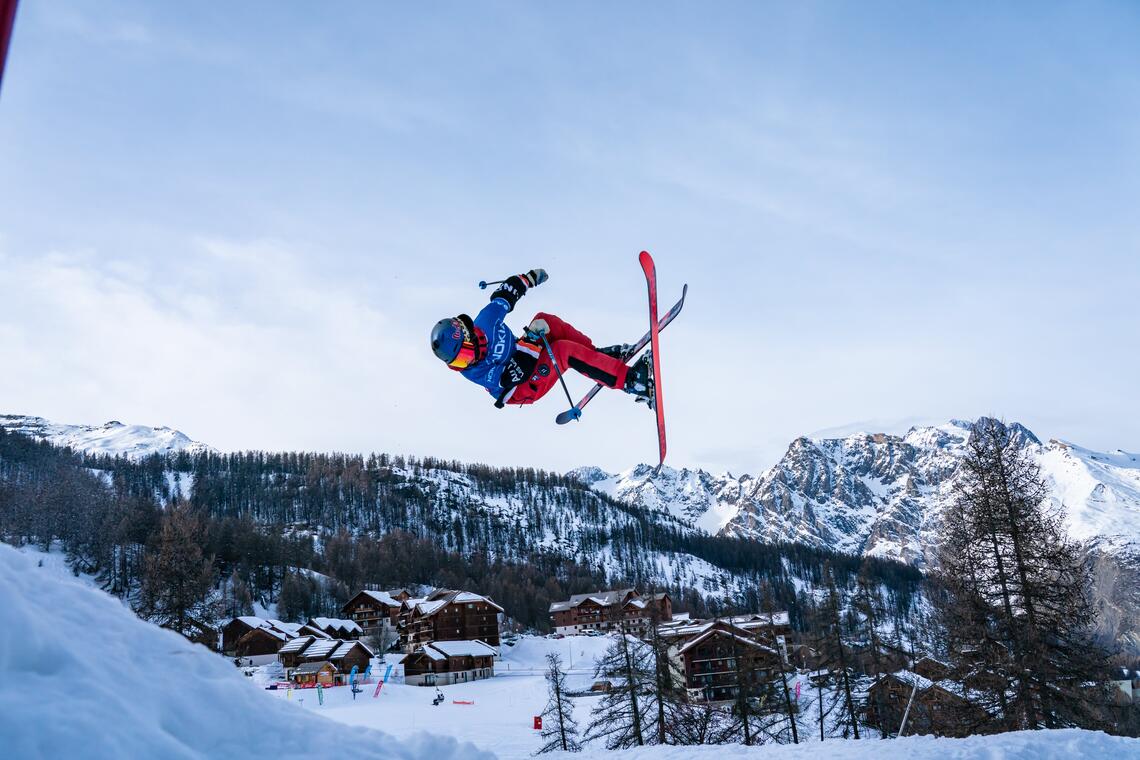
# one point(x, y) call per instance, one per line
point(655, 343)
point(575, 413)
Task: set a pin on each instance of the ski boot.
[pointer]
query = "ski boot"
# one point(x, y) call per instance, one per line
point(619, 352)
point(639, 379)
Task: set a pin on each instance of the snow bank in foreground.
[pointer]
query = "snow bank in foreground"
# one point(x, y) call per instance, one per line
point(80, 676)
point(1022, 745)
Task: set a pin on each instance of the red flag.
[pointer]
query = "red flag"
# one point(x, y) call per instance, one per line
point(797, 691)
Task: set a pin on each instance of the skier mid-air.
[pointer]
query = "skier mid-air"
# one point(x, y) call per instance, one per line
point(519, 370)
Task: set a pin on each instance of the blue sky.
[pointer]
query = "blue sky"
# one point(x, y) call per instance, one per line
point(241, 220)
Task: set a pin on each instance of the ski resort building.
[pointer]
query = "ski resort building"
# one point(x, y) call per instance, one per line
point(336, 628)
point(719, 657)
point(446, 615)
point(941, 708)
point(233, 631)
point(609, 610)
point(306, 650)
point(259, 642)
point(442, 663)
point(373, 610)
point(771, 628)
point(323, 672)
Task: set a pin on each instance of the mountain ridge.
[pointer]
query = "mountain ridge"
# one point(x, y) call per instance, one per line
point(881, 494)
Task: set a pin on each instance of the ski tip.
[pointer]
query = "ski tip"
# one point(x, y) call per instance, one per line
point(645, 259)
point(573, 413)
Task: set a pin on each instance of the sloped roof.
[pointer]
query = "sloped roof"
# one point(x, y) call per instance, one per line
point(337, 623)
point(603, 598)
point(296, 645)
point(472, 648)
point(346, 647)
point(713, 630)
point(322, 648)
point(384, 597)
point(252, 620)
point(314, 667)
point(908, 677)
point(437, 601)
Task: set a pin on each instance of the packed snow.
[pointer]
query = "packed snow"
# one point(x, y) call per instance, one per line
point(1069, 744)
point(82, 677)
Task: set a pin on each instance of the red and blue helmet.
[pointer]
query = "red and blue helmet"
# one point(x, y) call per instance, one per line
point(458, 342)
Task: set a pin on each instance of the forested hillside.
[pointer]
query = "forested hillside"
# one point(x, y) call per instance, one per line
point(303, 530)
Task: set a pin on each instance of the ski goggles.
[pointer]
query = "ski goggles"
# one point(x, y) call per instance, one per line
point(465, 358)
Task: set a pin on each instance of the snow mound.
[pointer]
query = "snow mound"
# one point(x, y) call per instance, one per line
point(81, 676)
point(1021, 745)
point(111, 438)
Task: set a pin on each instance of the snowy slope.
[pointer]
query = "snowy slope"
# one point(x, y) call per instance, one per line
point(1022, 745)
point(81, 676)
point(880, 494)
point(111, 438)
point(706, 501)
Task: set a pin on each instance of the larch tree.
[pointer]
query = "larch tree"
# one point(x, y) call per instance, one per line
point(178, 578)
point(1018, 607)
point(559, 728)
point(626, 715)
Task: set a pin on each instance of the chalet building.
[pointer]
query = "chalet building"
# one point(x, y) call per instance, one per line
point(290, 654)
point(715, 659)
point(939, 708)
point(351, 654)
point(442, 663)
point(609, 610)
point(309, 630)
point(770, 628)
point(306, 650)
point(372, 610)
point(336, 628)
point(322, 672)
point(240, 626)
point(446, 615)
point(260, 641)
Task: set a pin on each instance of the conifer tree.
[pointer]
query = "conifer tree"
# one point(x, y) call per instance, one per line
point(625, 716)
point(178, 578)
point(1017, 609)
point(559, 728)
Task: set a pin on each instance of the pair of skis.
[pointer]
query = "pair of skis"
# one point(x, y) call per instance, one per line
point(650, 338)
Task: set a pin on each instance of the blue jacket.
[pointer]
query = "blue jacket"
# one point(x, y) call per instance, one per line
point(500, 346)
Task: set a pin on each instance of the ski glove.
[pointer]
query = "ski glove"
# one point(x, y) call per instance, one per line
point(538, 327)
point(535, 276)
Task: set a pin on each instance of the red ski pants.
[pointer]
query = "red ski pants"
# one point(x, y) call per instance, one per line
point(574, 351)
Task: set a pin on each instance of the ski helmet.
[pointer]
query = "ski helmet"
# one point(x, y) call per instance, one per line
point(458, 342)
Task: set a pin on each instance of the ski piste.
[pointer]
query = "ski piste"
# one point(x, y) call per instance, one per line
point(575, 412)
point(650, 270)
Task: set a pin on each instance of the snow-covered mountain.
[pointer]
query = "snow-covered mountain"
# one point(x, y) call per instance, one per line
point(111, 438)
point(881, 494)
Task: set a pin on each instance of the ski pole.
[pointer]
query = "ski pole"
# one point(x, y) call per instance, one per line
point(483, 283)
point(575, 412)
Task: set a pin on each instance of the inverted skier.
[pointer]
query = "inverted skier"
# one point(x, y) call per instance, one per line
point(519, 370)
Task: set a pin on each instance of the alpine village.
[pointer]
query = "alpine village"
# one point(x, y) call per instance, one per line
point(314, 574)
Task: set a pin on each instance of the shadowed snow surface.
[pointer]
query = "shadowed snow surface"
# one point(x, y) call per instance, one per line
point(82, 677)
